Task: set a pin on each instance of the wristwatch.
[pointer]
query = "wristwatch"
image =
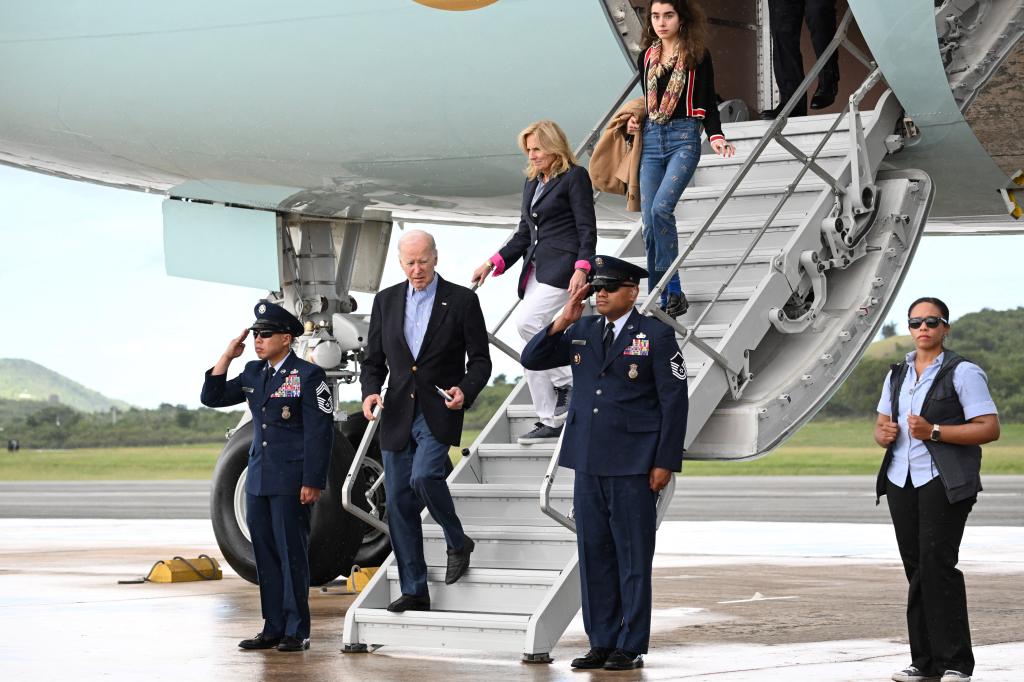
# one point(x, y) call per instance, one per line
point(936, 433)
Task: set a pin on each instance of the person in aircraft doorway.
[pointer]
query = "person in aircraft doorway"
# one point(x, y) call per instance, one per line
point(624, 438)
point(934, 414)
point(678, 82)
point(556, 238)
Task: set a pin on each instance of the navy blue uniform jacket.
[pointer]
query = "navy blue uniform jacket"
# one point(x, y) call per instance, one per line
point(558, 231)
point(293, 423)
point(628, 411)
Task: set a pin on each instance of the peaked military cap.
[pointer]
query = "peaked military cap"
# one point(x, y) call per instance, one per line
point(605, 269)
point(272, 317)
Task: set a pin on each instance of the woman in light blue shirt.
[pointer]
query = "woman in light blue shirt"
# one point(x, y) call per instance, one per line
point(934, 414)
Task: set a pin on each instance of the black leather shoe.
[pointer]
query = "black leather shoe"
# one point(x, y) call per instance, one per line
point(823, 97)
point(293, 644)
point(676, 304)
point(593, 659)
point(458, 561)
point(408, 602)
point(260, 641)
point(772, 114)
point(621, 659)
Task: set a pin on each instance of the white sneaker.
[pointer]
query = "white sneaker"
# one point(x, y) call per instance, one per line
point(955, 676)
point(912, 674)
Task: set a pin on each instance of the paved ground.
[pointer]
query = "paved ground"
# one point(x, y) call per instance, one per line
point(830, 607)
point(847, 499)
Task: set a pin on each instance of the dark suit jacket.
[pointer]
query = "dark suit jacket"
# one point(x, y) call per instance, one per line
point(454, 352)
point(292, 420)
point(557, 231)
point(628, 410)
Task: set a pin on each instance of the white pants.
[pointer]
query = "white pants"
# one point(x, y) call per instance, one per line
point(541, 303)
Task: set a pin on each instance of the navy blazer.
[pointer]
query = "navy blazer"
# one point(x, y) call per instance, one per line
point(455, 352)
point(628, 411)
point(292, 420)
point(559, 230)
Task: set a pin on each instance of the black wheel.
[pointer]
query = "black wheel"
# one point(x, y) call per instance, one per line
point(335, 536)
point(376, 544)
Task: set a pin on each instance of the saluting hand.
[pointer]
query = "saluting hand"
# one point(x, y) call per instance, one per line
point(919, 427)
point(571, 313)
point(237, 345)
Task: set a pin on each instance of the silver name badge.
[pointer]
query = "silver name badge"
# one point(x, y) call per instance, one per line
point(579, 342)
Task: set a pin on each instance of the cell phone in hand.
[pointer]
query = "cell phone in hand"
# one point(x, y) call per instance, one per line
point(444, 394)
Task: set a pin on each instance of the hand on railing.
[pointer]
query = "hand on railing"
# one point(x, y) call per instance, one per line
point(480, 275)
point(372, 406)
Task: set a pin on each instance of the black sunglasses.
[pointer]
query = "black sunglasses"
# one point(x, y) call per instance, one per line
point(931, 321)
point(610, 287)
point(264, 333)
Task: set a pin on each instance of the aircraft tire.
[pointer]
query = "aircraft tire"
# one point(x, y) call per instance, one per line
point(335, 536)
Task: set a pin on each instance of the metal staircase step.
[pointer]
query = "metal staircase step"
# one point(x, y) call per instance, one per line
point(528, 547)
point(498, 504)
point(483, 590)
point(780, 166)
point(686, 225)
point(514, 463)
point(753, 188)
point(441, 629)
point(799, 125)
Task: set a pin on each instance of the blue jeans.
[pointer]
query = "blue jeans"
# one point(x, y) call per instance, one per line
point(670, 155)
point(414, 477)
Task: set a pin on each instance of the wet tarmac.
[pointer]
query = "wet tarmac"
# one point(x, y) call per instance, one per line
point(733, 601)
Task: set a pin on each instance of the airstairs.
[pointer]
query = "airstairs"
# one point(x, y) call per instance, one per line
point(790, 254)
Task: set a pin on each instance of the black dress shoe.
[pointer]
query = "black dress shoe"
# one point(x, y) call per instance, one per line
point(824, 97)
point(621, 659)
point(458, 561)
point(593, 659)
point(772, 114)
point(408, 602)
point(293, 644)
point(676, 304)
point(260, 641)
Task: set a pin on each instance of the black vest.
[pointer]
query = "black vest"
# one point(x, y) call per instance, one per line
point(959, 465)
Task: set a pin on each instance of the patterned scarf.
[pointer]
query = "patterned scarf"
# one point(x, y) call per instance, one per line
point(663, 114)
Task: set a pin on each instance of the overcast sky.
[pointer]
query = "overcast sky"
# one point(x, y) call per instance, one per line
point(86, 294)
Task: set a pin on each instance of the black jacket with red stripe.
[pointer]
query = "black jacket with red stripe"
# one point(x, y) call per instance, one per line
point(698, 99)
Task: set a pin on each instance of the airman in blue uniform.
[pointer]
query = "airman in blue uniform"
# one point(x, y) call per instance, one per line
point(293, 433)
point(624, 437)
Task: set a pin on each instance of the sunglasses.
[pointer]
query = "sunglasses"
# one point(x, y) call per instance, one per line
point(264, 333)
point(931, 321)
point(610, 287)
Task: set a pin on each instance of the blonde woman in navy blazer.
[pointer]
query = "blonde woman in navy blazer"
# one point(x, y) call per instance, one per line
point(556, 239)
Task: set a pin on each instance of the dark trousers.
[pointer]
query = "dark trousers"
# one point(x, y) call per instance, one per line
point(615, 529)
point(785, 19)
point(279, 528)
point(415, 477)
point(928, 531)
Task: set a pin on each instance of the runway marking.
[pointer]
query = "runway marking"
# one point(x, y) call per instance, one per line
point(757, 597)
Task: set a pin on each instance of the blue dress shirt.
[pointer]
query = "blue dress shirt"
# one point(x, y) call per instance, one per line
point(911, 454)
point(418, 305)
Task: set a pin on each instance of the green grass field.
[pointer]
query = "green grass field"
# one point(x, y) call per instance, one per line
point(820, 448)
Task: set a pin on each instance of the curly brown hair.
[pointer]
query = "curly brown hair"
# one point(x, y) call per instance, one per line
point(693, 29)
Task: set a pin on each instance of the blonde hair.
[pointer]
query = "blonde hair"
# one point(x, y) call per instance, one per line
point(551, 138)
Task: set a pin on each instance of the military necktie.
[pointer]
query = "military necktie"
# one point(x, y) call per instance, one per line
point(609, 338)
point(267, 373)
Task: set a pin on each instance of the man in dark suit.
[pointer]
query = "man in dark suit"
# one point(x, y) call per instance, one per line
point(624, 437)
point(292, 417)
point(785, 19)
point(430, 335)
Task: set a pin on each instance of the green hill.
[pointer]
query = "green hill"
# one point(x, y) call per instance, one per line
point(990, 338)
point(26, 380)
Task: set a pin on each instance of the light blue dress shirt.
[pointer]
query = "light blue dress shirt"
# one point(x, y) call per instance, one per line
point(911, 454)
point(418, 305)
